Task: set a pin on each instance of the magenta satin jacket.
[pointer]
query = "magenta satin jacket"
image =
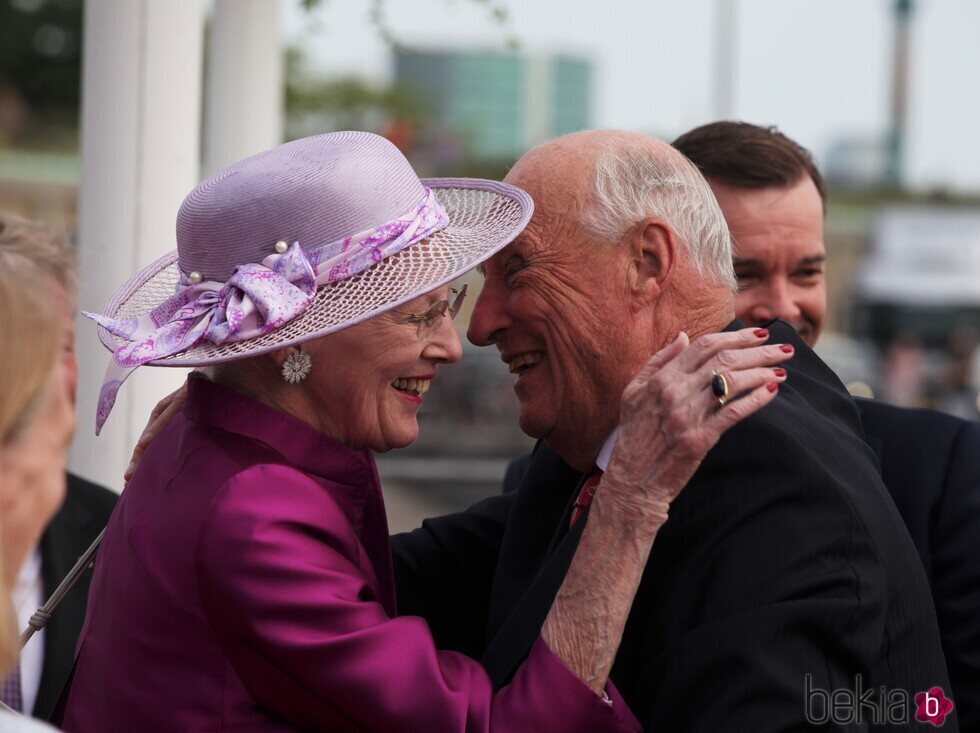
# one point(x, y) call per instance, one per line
point(245, 584)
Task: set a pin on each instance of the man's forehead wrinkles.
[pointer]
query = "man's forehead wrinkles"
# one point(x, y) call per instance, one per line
point(533, 236)
point(550, 228)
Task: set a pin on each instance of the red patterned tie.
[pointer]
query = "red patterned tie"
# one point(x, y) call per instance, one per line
point(586, 494)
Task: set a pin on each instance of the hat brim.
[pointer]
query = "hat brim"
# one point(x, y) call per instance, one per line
point(484, 216)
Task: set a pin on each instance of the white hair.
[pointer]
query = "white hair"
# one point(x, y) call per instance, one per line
point(632, 183)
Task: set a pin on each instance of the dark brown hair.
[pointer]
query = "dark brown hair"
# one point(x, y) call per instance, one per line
point(743, 155)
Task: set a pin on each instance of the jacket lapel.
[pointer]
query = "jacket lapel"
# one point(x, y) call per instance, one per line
point(535, 554)
point(64, 540)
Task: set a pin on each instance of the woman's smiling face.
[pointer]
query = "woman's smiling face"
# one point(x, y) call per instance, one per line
point(368, 381)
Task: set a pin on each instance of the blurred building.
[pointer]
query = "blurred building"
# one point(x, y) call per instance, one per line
point(856, 162)
point(487, 106)
point(922, 275)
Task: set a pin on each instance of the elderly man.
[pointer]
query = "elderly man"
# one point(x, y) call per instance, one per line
point(784, 578)
point(773, 197)
point(33, 686)
point(783, 589)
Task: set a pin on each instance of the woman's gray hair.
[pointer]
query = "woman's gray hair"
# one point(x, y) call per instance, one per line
point(632, 183)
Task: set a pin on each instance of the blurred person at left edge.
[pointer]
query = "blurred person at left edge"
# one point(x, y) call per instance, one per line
point(46, 660)
point(37, 418)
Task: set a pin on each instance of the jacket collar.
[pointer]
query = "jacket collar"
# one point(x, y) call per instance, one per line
point(210, 403)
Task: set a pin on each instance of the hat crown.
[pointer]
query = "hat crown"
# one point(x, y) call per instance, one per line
point(315, 190)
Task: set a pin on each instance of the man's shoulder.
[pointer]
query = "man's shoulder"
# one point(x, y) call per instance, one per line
point(803, 452)
point(813, 419)
point(515, 472)
point(910, 424)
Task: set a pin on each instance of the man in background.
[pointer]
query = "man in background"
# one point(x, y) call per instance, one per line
point(33, 686)
point(774, 200)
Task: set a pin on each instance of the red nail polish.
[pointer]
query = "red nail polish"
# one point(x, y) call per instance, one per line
point(761, 333)
point(779, 372)
point(786, 348)
point(772, 386)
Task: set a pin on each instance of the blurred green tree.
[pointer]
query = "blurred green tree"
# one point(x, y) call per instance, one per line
point(317, 104)
point(496, 11)
point(40, 79)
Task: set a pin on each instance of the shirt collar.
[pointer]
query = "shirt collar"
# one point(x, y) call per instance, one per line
point(605, 453)
point(27, 578)
point(302, 446)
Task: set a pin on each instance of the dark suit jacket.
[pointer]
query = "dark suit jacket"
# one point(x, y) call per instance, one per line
point(76, 525)
point(783, 557)
point(930, 463)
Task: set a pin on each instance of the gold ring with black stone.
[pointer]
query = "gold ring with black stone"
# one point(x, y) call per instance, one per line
point(719, 387)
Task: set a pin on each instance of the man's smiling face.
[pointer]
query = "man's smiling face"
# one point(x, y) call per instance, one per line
point(556, 304)
point(779, 254)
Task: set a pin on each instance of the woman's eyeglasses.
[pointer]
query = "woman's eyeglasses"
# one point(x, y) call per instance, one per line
point(427, 321)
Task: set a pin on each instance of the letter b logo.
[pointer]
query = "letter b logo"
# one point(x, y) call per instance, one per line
point(932, 706)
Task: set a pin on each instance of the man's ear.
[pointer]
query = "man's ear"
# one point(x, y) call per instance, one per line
point(653, 251)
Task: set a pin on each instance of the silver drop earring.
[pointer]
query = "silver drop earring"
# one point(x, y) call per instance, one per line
point(297, 367)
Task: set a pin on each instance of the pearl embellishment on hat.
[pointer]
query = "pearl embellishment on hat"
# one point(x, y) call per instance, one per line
point(282, 246)
point(194, 278)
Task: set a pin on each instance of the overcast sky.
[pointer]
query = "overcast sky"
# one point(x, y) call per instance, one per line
point(820, 69)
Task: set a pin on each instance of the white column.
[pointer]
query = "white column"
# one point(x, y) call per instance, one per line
point(538, 100)
point(141, 99)
point(243, 107)
point(725, 58)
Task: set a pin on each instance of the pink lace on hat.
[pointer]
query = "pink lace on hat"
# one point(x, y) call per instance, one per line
point(258, 298)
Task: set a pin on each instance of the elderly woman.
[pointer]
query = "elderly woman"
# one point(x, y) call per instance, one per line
point(245, 580)
point(36, 424)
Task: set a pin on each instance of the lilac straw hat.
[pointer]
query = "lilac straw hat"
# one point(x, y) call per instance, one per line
point(297, 242)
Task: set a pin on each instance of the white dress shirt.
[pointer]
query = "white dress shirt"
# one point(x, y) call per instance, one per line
point(28, 596)
point(605, 453)
point(13, 723)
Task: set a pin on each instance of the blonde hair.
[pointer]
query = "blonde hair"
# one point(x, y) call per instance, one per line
point(49, 251)
point(30, 339)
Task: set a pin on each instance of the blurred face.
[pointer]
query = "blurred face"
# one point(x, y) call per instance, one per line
point(67, 311)
point(32, 472)
point(779, 254)
point(368, 381)
point(555, 303)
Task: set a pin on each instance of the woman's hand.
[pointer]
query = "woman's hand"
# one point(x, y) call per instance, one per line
point(161, 416)
point(669, 421)
point(670, 418)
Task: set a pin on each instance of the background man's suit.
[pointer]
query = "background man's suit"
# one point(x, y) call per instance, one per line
point(783, 557)
point(930, 463)
point(76, 525)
